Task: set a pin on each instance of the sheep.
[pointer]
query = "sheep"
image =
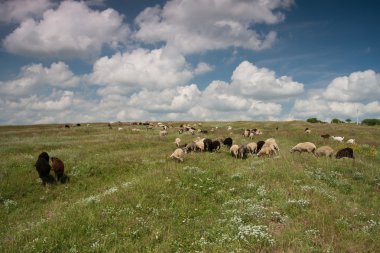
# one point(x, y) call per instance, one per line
point(246, 133)
point(351, 141)
point(228, 142)
point(259, 146)
point(119, 128)
point(265, 150)
point(252, 146)
point(325, 136)
point(135, 130)
point(215, 145)
point(229, 128)
point(163, 132)
point(345, 152)
point(207, 145)
point(178, 155)
point(243, 151)
point(304, 147)
point(271, 142)
point(337, 138)
point(324, 151)
point(191, 147)
point(308, 131)
point(251, 135)
point(200, 145)
point(177, 141)
point(234, 150)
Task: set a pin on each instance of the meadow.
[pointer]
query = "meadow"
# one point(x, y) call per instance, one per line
point(126, 195)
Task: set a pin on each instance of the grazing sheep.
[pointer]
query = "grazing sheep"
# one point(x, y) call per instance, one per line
point(200, 145)
point(337, 138)
point(228, 142)
point(251, 135)
point(135, 130)
point(259, 146)
point(325, 136)
point(252, 146)
point(43, 167)
point(178, 155)
point(351, 141)
point(265, 150)
point(229, 128)
point(271, 142)
point(207, 144)
point(246, 133)
point(59, 169)
point(163, 132)
point(215, 145)
point(324, 151)
point(177, 141)
point(191, 147)
point(243, 151)
point(120, 128)
point(308, 131)
point(345, 152)
point(304, 147)
point(234, 150)
point(192, 131)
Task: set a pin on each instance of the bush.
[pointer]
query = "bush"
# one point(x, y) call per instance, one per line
point(371, 122)
point(336, 121)
point(313, 120)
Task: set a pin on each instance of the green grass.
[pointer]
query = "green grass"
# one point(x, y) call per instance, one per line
point(126, 195)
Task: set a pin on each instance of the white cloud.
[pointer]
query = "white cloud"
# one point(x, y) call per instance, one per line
point(20, 10)
point(35, 78)
point(202, 68)
point(139, 69)
point(343, 98)
point(358, 86)
point(192, 26)
point(261, 83)
point(71, 31)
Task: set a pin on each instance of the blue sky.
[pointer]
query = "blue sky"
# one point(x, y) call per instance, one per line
point(86, 61)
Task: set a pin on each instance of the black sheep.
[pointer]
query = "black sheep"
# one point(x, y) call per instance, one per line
point(207, 143)
point(43, 167)
point(325, 136)
point(215, 145)
point(345, 152)
point(259, 146)
point(228, 142)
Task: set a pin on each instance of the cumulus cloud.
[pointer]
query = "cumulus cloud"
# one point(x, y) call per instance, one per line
point(358, 86)
point(73, 30)
point(262, 83)
point(192, 26)
point(152, 69)
point(15, 11)
point(344, 97)
point(36, 78)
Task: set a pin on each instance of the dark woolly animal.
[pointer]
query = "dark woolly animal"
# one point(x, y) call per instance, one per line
point(215, 145)
point(43, 167)
point(58, 168)
point(207, 143)
point(325, 136)
point(67, 126)
point(243, 152)
point(228, 142)
point(345, 152)
point(259, 146)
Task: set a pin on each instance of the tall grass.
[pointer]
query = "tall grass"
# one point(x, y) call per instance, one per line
point(126, 195)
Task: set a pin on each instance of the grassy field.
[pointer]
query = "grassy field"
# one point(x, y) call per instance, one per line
point(126, 195)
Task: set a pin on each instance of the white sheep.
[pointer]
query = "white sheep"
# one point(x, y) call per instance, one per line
point(178, 155)
point(229, 128)
point(135, 130)
point(163, 132)
point(251, 135)
point(252, 146)
point(177, 141)
point(308, 131)
point(351, 141)
point(337, 138)
point(120, 128)
point(304, 147)
point(265, 150)
point(271, 142)
point(200, 145)
point(324, 151)
point(234, 150)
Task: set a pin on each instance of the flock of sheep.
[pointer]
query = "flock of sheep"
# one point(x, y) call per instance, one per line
point(268, 147)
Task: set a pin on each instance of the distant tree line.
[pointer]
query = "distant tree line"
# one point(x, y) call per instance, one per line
point(368, 122)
